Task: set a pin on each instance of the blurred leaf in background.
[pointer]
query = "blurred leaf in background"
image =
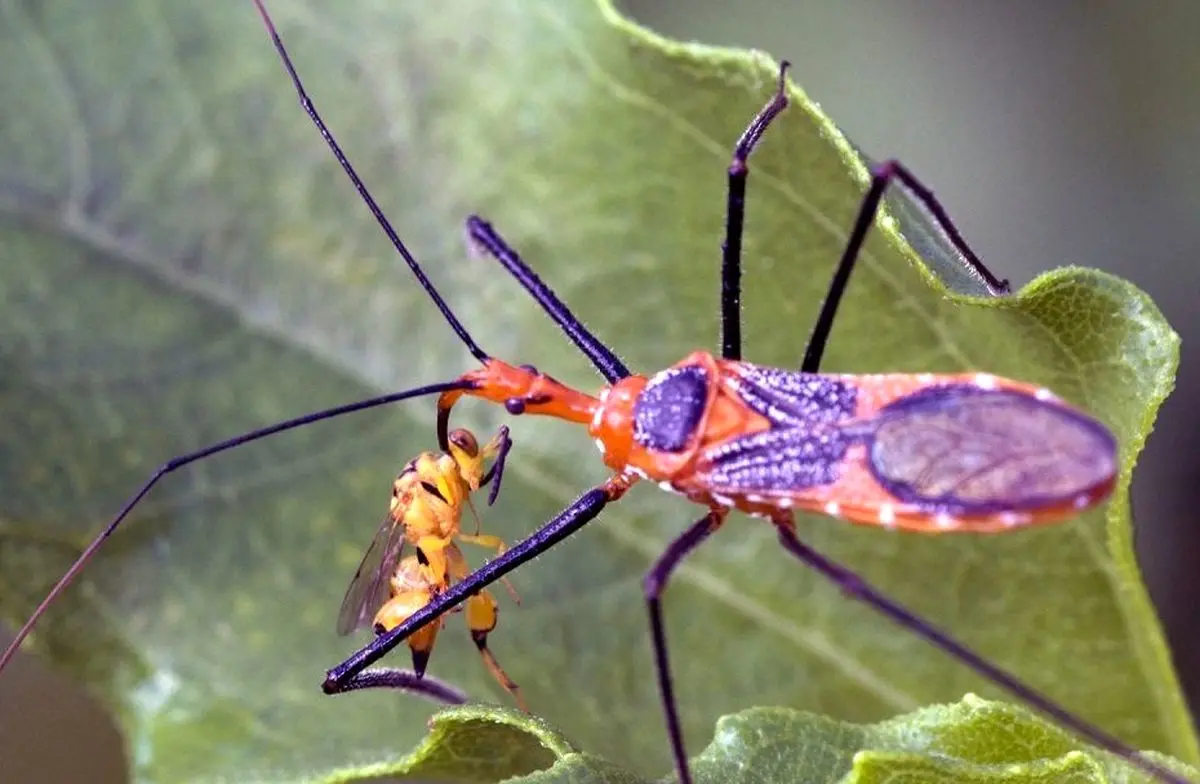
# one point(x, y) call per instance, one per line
point(182, 261)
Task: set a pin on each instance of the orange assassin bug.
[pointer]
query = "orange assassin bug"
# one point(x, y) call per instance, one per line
point(966, 453)
point(428, 497)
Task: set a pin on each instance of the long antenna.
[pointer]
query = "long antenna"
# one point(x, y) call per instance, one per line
point(367, 198)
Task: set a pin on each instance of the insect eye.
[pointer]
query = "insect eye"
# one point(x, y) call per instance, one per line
point(432, 490)
point(465, 440)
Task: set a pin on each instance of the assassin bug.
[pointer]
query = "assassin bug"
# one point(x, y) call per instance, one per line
point(934, 453)
point(428, 497)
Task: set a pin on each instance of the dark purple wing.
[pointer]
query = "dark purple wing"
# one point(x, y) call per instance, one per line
point(956, 449)
point(981, 451)
point(370, 589)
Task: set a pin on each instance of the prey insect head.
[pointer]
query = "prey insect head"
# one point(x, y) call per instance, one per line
point(464, 448)
point(471, 458)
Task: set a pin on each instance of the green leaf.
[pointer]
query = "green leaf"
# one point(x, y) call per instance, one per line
point(181, 260)
point(972, 742)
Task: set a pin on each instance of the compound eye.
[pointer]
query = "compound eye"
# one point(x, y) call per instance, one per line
point(465, 440)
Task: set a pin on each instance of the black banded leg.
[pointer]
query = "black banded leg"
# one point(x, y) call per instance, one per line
point(482, 235)
point(735, 214)
point(882, 176)
point(653, 585)
point(856, 588)
point(568, 521)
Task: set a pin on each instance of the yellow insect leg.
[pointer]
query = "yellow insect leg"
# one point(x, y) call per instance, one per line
point(492, 543)
point(482, 616)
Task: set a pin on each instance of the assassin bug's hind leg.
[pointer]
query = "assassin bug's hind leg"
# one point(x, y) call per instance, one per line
point(854, 586)
point(882, 176)
point(735, 216)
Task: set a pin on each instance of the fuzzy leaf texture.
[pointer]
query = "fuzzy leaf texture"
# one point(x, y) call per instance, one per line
point(182, 260)
point(972, 742)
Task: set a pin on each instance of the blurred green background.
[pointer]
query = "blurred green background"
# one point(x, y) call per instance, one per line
point(1056, 133)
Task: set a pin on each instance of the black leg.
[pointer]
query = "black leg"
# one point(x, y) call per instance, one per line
point(175, 463)
point(735, 213)
point(856, 588)
point(403, 680)
point(882, 176)
point(653, 585)
point(568, 521)
point(481, 234)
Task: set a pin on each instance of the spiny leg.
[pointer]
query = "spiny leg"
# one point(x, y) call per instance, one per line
point(881, 177)
point(175, 463)
point(578, 514)
point(856, 588)
point(482, 235)
point(735, 215)
point(653, 585)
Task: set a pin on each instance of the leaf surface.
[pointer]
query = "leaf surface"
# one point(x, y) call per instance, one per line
point(181, 260)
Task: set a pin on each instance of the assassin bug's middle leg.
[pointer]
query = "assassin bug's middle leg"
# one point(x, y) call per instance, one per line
point(931, 453)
